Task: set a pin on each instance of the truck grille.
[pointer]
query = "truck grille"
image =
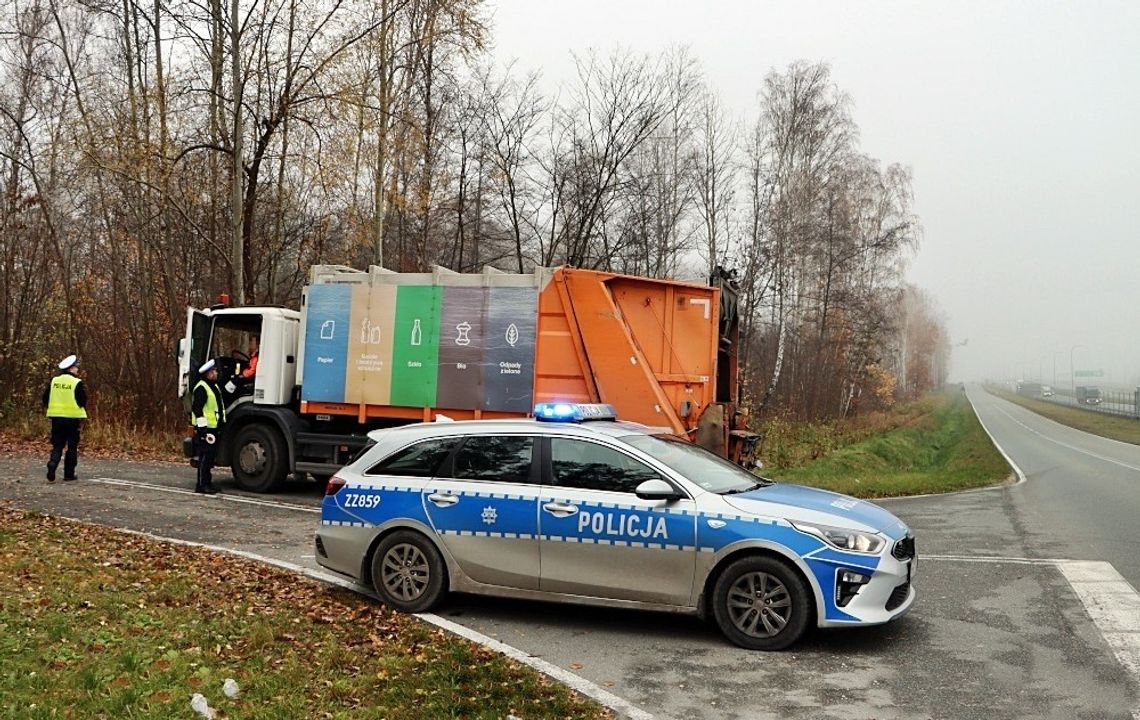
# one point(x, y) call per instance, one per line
point(904, 549)
point(898, 596)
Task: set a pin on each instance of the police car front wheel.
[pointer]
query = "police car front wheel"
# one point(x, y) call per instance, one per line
point(761, 604)
point(408, 572)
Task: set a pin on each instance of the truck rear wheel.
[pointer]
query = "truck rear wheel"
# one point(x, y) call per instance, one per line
point(258, 454)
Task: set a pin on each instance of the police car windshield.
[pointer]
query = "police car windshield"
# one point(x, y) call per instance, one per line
point(708, 470)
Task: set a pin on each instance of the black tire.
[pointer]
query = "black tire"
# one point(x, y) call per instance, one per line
point(408, 573)
point(760, 603)
point(258, 458)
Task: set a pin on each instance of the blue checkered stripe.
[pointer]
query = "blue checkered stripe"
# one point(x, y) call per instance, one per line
point(621, 525)
point(512, 516)
point(372, 505)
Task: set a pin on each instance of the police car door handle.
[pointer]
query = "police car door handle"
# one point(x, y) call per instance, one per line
point(443, 500)
point(560, 509)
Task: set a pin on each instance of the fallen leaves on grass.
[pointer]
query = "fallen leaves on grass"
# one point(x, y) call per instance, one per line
point(107, 624)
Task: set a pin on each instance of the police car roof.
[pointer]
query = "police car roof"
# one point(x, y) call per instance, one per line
point(609, 428)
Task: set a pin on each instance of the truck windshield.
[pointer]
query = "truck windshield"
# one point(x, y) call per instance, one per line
point(708, 470)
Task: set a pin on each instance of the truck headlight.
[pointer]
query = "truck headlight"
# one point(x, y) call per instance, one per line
point(843, 538)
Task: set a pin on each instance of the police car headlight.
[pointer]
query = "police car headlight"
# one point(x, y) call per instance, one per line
point(843, 538)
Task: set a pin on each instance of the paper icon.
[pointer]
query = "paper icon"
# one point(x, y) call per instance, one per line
point(328, 329)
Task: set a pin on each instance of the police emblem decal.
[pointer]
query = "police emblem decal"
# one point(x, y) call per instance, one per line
point(490, 515)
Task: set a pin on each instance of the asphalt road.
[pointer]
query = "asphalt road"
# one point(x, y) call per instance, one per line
point(997, 632)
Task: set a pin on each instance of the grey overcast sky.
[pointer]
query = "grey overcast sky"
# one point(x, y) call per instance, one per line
point(1020, 121)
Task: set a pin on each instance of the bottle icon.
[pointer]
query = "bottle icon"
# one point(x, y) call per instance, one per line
point(417, 333)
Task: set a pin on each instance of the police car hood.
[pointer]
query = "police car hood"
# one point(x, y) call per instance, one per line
point(782, 500)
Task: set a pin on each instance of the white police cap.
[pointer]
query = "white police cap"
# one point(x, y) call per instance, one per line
point(206, 367)
point(68, 362)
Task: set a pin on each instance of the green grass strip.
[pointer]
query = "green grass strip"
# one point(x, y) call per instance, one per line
point(941, 450)
point(1116, 427)
point(96, 623)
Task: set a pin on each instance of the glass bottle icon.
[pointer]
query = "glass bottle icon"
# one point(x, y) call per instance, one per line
point(417, 332)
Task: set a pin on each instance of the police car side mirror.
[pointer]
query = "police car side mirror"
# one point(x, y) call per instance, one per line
point(657, 490)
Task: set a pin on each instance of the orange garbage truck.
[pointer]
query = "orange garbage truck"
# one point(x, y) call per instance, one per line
point(372, 349)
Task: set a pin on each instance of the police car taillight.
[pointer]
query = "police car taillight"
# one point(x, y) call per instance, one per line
point(336, 482)
point(574, 412)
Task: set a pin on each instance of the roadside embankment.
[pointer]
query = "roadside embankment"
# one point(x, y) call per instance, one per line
point(937, 445)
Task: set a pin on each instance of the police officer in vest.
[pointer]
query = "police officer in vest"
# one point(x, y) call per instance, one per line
point(65, 400)
point(209, 419)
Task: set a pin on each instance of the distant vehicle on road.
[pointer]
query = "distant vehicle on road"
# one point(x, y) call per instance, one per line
point(1046, 391)
point(1029, 389)
point(1088, 395)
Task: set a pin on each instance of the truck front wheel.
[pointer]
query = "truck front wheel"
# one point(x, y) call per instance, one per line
point(259, 462)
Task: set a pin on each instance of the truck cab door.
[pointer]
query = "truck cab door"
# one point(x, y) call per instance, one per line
point(193, 349)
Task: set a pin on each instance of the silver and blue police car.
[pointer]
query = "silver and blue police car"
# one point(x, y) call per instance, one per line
point(576, 506)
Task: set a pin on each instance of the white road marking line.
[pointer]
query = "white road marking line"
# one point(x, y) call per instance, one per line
point(212, 498)
point(1109, 600)
point(1114, 606)
point(1004, 454)
point(575, 682)
point(1067, 445)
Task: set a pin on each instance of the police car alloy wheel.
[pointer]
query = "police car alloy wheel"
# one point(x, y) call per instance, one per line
point(761, 604)
point(408, 572)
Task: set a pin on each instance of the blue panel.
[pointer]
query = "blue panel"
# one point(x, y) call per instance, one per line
point(826, 501)
point(632, 525)
point(326, 343)
point(373, 506)
point(498, 516)
point(509, 345)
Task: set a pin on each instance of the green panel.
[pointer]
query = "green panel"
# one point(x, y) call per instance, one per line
point(415, 351)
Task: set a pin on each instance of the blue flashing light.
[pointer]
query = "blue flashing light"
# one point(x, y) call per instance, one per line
point(574, 412)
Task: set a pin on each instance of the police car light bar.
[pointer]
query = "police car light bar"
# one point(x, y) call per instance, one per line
point(574, 412)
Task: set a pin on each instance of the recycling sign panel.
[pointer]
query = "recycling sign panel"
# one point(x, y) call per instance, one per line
point(421, 346)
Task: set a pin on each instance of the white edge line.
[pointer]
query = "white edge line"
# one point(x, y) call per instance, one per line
point(225, 497)
point(575, 682)
point(1004, 454)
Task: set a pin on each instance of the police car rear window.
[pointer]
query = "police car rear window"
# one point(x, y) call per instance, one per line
point(420, 460)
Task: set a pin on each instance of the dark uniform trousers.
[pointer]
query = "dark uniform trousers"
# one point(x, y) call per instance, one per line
point(64, 432)
point(207, 454)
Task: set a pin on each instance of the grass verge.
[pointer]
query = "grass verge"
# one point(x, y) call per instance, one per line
point(96, 623)
point(28, 434)
point(1109, 426)
point(942, 449)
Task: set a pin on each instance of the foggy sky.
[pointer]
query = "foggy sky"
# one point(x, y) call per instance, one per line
point(1019, 120)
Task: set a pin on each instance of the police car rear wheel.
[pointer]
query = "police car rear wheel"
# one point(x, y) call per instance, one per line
point(761, 604)
point(408, 572)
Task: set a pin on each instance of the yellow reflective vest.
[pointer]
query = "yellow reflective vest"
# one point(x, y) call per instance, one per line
point(213, 411)
point(61, 399)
